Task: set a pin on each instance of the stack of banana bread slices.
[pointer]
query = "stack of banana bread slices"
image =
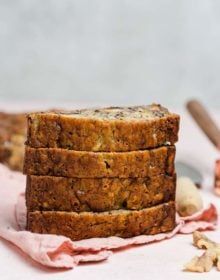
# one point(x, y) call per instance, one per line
point(101, 172)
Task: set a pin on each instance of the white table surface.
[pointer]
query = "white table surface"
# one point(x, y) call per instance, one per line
point(162, 260)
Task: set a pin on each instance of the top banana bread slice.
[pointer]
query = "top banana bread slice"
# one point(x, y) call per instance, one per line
point(111, 129)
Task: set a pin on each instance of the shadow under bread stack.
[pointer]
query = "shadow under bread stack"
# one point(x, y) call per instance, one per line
point(101, 172)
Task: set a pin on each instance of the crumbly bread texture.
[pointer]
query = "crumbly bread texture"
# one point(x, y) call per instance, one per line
point(122, 223)
point(68, 163)
point(12, 138)
point(98, 195)
point(106, 130)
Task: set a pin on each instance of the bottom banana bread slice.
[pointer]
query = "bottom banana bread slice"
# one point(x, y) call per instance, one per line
point(122, 223)
point(97, 194)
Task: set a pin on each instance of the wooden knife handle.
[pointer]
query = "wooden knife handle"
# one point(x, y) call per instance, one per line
point(204, 120)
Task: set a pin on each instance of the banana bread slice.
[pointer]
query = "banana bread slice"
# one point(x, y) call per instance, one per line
point(123, 223)
point(68, 163)
point(105, 130)
point(97, 195)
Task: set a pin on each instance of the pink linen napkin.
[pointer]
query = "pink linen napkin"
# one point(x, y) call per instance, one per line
point(61, 252)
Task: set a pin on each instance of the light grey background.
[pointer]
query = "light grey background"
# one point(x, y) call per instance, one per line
point(110, 51)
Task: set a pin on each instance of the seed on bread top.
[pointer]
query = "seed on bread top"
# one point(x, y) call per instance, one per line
point(146, 112)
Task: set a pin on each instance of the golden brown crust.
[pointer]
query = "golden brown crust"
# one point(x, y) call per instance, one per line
point(67, 163)
point(100, 194)
point(60, 130)
point(123, 223)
